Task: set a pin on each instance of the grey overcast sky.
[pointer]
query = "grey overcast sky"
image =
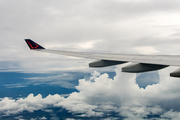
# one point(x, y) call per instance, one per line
point(114, 26)
point(118, 26)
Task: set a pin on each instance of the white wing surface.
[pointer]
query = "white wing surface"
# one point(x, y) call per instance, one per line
point(143, 63)
point(150, 59)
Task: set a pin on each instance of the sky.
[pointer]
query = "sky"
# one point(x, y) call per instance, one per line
point(51, 86)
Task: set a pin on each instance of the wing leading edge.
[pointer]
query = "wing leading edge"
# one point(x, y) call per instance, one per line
point(143, 63)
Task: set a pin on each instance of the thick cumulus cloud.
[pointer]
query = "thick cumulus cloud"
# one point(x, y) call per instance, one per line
point(100, 95)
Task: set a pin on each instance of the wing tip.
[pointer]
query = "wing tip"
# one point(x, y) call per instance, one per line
point(32, 45)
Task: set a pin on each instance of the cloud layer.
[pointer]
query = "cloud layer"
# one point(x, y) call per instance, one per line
point(118, 26)
point(100, 94)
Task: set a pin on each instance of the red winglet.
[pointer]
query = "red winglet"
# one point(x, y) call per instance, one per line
point(32, 45)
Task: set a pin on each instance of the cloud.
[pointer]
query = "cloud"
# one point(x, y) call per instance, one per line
point(100, 94)
point(66, 80)
point(94, 26)
point(146, 50)
point(70, 119)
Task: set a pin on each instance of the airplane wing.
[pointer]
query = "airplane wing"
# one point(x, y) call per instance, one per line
point(142, 63)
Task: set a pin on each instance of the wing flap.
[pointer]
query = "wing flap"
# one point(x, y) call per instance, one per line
point(142, 67)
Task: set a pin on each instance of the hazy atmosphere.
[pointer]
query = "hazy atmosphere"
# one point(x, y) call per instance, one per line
point(40, 86)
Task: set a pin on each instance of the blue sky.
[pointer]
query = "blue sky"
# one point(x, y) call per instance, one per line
point(39, 86)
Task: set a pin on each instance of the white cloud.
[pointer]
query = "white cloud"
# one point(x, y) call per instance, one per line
point(172, 114)
point(100, 94)
point(43, 118)
point(70, 119)
point(31, 103)
point(146, 50)
point(89, 44)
